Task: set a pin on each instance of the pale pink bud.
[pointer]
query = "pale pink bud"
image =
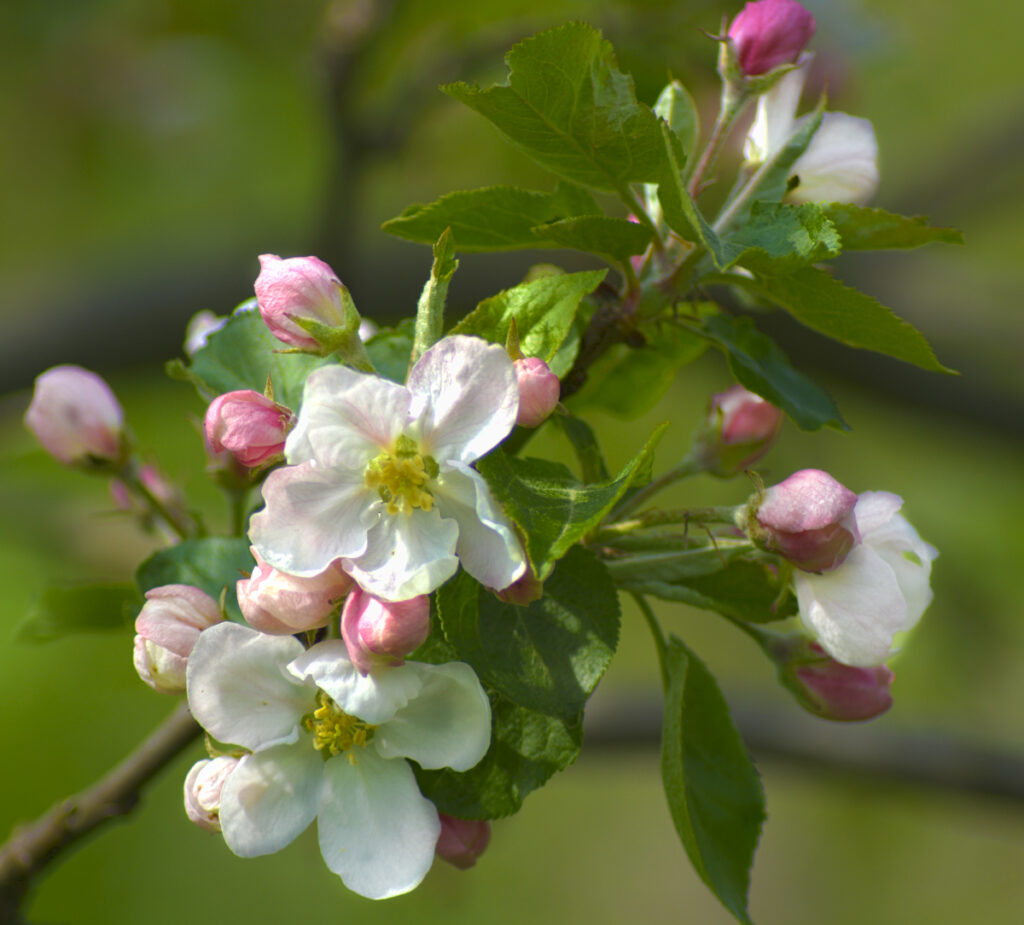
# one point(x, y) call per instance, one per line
point(740, 428)
point(168, 626)
point(248, 425)
point(380, 632)
point(770, 33)
point(299, 287)
point(203, 787)
point(832, 690)
point(462, 841)
point(539, 391)
point(76, 417)
point(808, 519)
point(281, 604)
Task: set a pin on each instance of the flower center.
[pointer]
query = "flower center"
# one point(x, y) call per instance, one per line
point(400, 477)
point(335, 731)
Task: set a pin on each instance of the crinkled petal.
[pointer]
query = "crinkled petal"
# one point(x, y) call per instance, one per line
point(776, 117)
point(875, 509)
point(854, 610)
point(447, 725)
point(374, 698)
point(377, 831)
point(840, 164)
point(406, 555)
point(488, 546)
point(347, 418)
point(311, 518)
point(465, 396)
point(240, 691)
point(270, 799)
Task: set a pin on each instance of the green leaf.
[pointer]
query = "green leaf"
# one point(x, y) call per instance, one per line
point(865, 229)
point(87, 609)
point(568, 106)
point(390, 349)
point(527, 748)
point(758, 363)
point(629, 381)
point(494, 218)
point(676, 107)
point(713, 790)
point(781, 238)
point(212, 564)
point(548, 656)
point(565, 355)
point(825, 305)
point(615, 239)
point(553, 509)
point(430, 310)
point(543, 310)
point(243, 353)
point(584, 443)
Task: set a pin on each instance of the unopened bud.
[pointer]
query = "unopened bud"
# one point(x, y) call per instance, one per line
point(203, 787)
point(462, 841)
point(248, 425)
point(281, 604)
point(740, 428)
point(167, 628)
point(380, 632)
point(76, 417)
point(300, 289)
point(807, 519)
point(539, 391)
point(770, 33)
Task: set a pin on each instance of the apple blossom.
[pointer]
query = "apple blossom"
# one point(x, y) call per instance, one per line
point(203, 786)
point(248, 425)
point(462, 841)
point(382, 632)
point(380, 475)
point(331, 744)
point(770, 33)
point(539, 390)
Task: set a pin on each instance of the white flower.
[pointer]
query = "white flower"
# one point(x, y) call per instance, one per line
point(330, 744)
point(841, 162)
point(880, 589)
point(380, 476)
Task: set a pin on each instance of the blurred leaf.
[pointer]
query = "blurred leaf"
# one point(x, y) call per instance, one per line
point(780, 238)
point(676, 107)
point(429, 324)
point(543, 310)
point(758, 363)
point(569, 107)
point(584, 443)
point(87, 609)
point(551, 507)
point(875, 229)
point(565, 355)
point(713, 790)
point(613, 238)
point(493, 218)
point(548, 656)
point(212, 564)
point(390, 349)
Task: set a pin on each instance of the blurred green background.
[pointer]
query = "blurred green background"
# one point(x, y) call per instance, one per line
point(152, 148)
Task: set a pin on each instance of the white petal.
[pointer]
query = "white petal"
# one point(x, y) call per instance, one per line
point(840, 164)
point(875, 509)
point(313, 516)
point(488, 546)
point(347, 418)
point(239, 690)
point(466, 398)
point(373, 698)
point(447, 725)
point(776, 117)
point(271, 798)
point(910, 558)
point(854, 610)
point(376, 830)
point(406, 555)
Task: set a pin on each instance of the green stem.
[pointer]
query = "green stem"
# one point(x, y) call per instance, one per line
point(637, 209)
point(732, 107)
point(659, 518)
point(182, 525)
point(657, 633)
point(687, 467)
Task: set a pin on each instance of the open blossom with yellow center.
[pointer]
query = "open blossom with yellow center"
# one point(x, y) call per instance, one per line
point(380, 475)
point(328, 743)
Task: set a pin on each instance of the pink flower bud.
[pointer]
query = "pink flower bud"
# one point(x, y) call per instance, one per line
point(281, 604)
point(380, 632)
point(539, 391)
point(462, 841)
point(740, 428)
point(808, 519)
point(168, 626)
point(248, 425)
point(299, 287)
point(203, 787)
point(76, 417)
point(769, 33)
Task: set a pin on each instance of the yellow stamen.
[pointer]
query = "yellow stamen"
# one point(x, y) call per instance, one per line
point(400, 479)
point(335, 731)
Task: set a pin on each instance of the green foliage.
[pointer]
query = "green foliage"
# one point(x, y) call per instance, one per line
point(615, 239)
point(543, 310)
point(86, 609)
point(550, 506)
point(758, 363)
point(713, 790)
point(584, 444)
point(390, 350)
point(779, 238)
point(430, 309)
point(676, 107)
point(548, 656)
point(864, 229)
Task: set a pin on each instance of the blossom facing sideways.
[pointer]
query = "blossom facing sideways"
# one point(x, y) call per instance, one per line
point(299, 288)
point(328, 743)
point(248, 425)
point(380, 476)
